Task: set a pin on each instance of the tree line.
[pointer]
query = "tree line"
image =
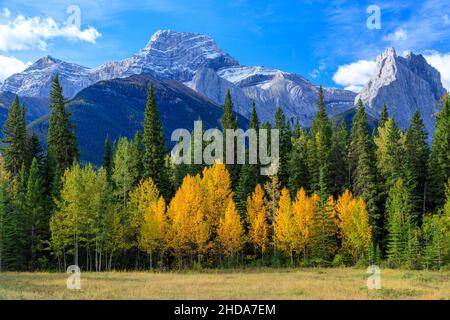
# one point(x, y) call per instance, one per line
point(342, 196)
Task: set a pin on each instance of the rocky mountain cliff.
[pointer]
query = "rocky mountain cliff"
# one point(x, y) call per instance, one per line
point(197, 61)
point(405, 85)
point(269, 88)
point(36, 80)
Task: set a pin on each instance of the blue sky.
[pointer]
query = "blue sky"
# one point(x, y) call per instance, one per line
point(327, 42)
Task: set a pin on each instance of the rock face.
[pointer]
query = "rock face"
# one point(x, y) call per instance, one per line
point(269, 88)
point(170, 55)
point(197, 61)
point(36, 80)
point(405, 85)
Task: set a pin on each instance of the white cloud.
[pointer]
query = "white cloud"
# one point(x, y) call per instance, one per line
point(316, 72)
point(446, 19)
point(399, 35)
point(442, 63)
point(10, 66)
point(6, 13)
point(30, 33)
point(355, 75)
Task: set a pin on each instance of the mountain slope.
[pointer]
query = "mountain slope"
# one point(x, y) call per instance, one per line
point(36, 80)
point(405, 85)
point(116, 107)
point(271, 88)
point(197, 61)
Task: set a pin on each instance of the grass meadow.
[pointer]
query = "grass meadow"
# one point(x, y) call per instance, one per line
point(265, 284)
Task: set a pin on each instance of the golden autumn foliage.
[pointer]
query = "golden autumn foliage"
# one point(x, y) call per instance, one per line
point(354, 228)
point(257, 211)
point(215, 192)
point(140, 199)
point(153, 235)
point(230, 232)
point(303, 210)
point(189, 228)
point(284, 226)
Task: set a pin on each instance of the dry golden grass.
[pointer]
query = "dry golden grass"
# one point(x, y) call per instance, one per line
point(265, 284)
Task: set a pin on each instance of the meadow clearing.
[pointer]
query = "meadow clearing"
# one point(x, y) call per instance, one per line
point(265, 284)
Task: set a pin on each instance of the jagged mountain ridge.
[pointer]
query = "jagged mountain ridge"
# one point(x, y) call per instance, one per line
point(405, 85)
point(270, 88)
point(197, 61)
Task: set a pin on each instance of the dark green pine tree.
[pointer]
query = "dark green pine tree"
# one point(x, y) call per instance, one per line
point(14, 138)
point(398, 214)
point(229, 121)
point(339, 155)
point(362, 167)
point(319, 152)
point(416, 161)
point(154, 149)
point(107, 156)
point(298, 161)
point(297, 129)
point(282, 124)
point(439, 161)
point(37, 220)
point(384, 116)
point(62, 149)
point(34, 150)
point(250, 173)
point(19, 247)
point(8, 233)
point(395, 164)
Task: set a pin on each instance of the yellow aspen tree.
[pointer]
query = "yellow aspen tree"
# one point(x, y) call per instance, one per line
point(140, 199)
point(303, 211)
point(189, 230)
point(256, 202)
point(284, 227)
point(230, 232)
point(354, 228)
point(154, 228)
point(216, 193)
point(258, 227)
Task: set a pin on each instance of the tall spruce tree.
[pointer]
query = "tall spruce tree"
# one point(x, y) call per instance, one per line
point(62, 149)
point(249, 175)
point(37, 220)
point(107, 156)
point(339, 155)
point(416, 161)
point(154, 152)
point(34, 150)
point(439, 162)
point(384, 116)
point(319, 147)
point(398, 213)
point(283, 124)
point(395, 165)
point(229, 121)
point(298, 162)
point(363, 168)
point(8, 222)
point(15, 137)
